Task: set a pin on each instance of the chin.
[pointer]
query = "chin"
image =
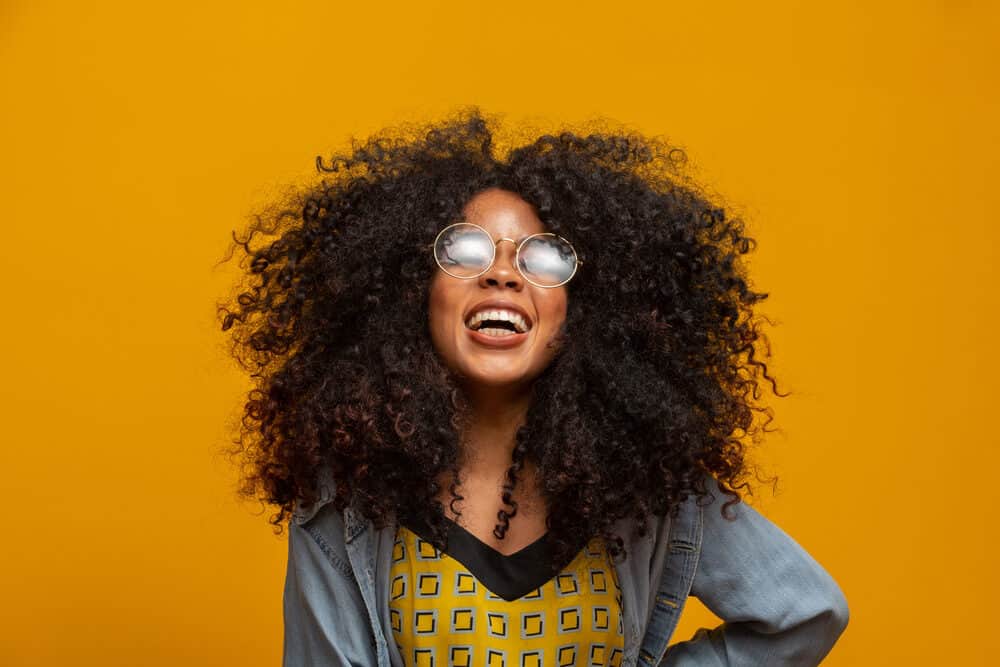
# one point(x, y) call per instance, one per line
point(482, 378)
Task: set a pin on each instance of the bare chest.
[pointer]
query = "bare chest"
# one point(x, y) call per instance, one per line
point(483, 500)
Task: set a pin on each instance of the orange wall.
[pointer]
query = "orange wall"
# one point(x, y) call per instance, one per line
point(859, 140)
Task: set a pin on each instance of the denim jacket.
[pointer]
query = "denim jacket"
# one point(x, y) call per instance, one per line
point(779, 606)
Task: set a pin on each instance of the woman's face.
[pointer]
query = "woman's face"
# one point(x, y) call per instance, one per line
point(478, 359)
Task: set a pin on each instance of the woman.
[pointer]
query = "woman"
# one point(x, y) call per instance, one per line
point(500, 395)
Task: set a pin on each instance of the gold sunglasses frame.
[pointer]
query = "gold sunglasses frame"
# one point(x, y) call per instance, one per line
point(517, 254)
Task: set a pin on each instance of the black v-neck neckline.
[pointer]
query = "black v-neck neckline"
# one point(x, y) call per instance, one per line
point(509, 576)
point(533, 546)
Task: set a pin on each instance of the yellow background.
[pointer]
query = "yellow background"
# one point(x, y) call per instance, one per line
point(858, 139)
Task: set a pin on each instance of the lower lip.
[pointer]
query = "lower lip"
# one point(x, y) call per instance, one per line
point(510, 340)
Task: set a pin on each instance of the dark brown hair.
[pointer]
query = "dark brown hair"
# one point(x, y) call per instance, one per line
point(656, 384)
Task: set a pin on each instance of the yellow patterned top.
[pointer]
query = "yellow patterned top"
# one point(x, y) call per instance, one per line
point(476, 606)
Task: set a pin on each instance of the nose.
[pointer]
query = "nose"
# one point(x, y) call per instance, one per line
point(503, 271)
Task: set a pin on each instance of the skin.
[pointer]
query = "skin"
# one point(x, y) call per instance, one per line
point(496, 382)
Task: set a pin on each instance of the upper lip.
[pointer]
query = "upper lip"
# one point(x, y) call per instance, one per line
point(497, 304)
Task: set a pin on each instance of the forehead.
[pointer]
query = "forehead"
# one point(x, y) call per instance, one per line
point(503, 214)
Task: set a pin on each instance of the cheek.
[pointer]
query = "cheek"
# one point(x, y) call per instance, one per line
point(555, 309)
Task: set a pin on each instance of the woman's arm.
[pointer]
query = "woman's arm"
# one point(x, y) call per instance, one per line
point(326, 622)
point(779, 606)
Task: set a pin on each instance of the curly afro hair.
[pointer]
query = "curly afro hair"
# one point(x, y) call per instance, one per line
point(656, 383)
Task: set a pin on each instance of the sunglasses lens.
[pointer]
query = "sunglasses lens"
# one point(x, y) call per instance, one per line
point(464, 250)
point(547, 260)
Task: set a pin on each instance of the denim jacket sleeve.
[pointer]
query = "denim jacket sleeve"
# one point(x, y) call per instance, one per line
point(778, 605)
point(324, 613)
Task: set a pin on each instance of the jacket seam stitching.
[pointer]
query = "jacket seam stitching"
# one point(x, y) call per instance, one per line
point(330, 554)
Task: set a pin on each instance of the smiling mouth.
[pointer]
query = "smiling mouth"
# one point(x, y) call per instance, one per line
point(496, 334)
point(496, 328)
point(500, 319)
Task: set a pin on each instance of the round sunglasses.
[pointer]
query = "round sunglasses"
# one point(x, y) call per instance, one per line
point(466, 250)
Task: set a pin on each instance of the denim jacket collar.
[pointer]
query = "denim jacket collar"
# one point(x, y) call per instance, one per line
point(354, 521)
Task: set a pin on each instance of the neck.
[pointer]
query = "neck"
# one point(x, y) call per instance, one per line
point(495, 414)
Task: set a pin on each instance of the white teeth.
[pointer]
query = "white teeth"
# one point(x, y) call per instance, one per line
point(499, 333)
point(506, 315)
